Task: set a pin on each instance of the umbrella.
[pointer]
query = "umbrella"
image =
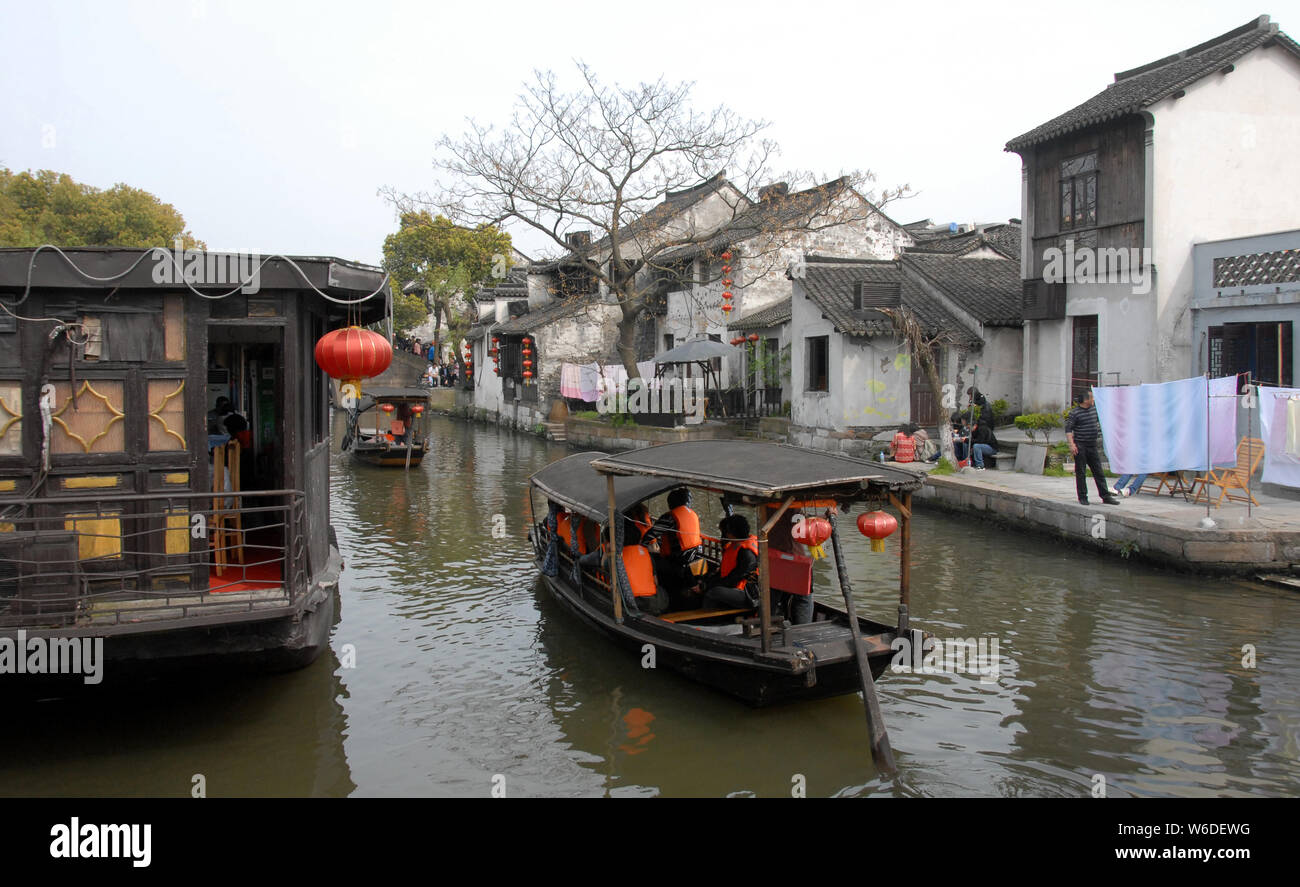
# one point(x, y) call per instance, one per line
point(696, 350)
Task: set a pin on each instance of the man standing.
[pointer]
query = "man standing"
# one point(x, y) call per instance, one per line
point(1083, 431)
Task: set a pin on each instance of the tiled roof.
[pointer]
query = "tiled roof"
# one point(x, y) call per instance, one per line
point(1002, 238)
point(774, 214)
point(1144, 86)
point(773, 315)
point(831, 287)
point(674, 202)
point(514, 286)
point(540, 317)
point(987, 289)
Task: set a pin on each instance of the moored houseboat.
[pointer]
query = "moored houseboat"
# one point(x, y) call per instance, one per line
point(164, 450)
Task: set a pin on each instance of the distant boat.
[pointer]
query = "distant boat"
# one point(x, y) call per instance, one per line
point(746, 653)
point(370, 436)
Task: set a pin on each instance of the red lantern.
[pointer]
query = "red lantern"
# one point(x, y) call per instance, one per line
point(726, 309)
point(726, 269)
point(876, 525)
point(727, 281)
point(386, 407)
point(527, 341)
point(812, 531)
point(352, 354)
point(496, 341)
point(528, 363)
point(738, 340)
point(528, 374)
point(417, 409)
point(726, 255)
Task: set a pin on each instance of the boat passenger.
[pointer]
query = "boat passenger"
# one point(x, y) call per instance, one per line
point(734, 584)
point(637, 563)
point(678, 533)
point(563, 528)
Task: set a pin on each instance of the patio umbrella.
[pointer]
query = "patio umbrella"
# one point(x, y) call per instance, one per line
point(696, 351)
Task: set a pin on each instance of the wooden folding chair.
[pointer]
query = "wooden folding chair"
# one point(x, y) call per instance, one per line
point(1250, 452)
point(1173, 480)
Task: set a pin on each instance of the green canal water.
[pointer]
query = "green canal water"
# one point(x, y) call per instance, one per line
point(452, 671)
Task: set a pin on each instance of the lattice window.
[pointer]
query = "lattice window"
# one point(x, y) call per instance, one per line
point(11, 419)
point(94, 423)
point(1281, 266)
point(167, 414)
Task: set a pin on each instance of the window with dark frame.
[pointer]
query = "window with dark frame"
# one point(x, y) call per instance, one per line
point(1079, 191)
point(819, 366)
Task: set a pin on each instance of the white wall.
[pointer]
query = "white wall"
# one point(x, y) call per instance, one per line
point(1226, 165)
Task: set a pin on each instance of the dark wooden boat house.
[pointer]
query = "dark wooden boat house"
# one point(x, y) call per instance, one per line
point(121, 515)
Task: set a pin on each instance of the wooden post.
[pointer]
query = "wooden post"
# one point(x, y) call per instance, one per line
point(881, 752)
point(765, 572)
point(905, 561)
point(613, 552)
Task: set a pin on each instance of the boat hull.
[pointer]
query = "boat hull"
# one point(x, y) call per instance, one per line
point(734, 668)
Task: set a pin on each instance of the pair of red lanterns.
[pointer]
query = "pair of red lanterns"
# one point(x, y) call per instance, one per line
point(417, 409)
point(740, 340)
point(726, 282)
point(813, 531)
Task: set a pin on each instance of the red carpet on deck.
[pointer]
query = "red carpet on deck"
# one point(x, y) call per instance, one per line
point(260, 570)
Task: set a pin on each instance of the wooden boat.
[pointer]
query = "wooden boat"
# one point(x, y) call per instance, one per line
point(121, 517)
point(751, 655)
point(369, 436)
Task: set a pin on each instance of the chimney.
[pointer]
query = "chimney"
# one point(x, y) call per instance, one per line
point(578, 239)
point(776, 189)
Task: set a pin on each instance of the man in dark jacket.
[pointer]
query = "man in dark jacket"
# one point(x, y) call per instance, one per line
point(1083, 431)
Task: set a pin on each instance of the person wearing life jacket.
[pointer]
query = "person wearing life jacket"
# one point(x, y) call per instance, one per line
point(678, 532)
point(637, 563)
point(564, 523)
point(733, 586)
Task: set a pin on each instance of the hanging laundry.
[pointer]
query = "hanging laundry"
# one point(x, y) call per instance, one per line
point(1293, 426)
point(589, 382)
point(1154, 427)
point(1280, 467)
point(571, 381)
point(1223, 421)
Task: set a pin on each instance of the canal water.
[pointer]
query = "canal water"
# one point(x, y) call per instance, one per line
point(452, 672)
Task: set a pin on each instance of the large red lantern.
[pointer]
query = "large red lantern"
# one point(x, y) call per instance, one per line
point(726, 255)
point(753, 337)
point(812, 531)
point(352, 354)
point(387, 407)
point(417, 409)
point(876, 525)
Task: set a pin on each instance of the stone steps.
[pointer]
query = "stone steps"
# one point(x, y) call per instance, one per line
point(555, 431)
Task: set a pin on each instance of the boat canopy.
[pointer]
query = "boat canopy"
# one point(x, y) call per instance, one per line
point(382, 394)
point(762, 470)
point(573, 483)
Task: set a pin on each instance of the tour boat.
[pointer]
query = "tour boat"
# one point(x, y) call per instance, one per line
point(131, 510)
point(370, 436)
point(750, 654)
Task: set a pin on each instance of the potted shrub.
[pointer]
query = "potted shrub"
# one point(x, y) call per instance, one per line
point(1031, 457)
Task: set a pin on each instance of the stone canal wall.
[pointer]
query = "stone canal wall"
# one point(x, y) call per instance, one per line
point(1237, 545)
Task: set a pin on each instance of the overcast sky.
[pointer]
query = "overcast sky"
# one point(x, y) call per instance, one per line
point(271, 125)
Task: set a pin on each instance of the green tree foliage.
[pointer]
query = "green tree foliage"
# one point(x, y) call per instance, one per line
point(447, 262)
point(51, 207)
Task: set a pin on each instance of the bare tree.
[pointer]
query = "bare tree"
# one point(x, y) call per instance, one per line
point(923, 346)
point(602, 159)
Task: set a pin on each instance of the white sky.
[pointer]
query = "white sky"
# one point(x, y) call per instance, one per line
point(272, 125)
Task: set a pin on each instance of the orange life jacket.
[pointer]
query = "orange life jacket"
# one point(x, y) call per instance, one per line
point(688, 528)
point(640, 570)
point(730, 553)
point(563, 528)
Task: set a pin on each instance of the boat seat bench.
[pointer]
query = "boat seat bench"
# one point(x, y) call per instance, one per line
point(693, 615)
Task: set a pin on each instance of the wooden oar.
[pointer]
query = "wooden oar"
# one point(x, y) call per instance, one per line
point(881, 753)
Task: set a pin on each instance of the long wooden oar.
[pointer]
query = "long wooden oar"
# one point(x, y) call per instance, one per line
point(881, 753)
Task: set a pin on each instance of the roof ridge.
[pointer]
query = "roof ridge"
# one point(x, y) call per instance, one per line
point(1257, 24)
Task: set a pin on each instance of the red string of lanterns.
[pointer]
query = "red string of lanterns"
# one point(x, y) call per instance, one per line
point(726, 282)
